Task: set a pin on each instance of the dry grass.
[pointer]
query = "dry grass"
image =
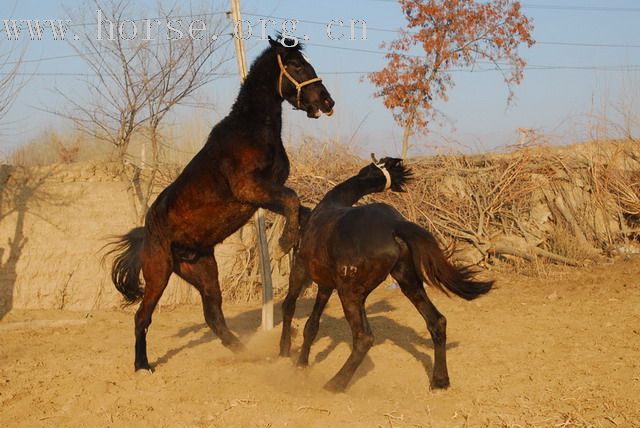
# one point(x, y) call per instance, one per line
point(532, 204)
point(51, 147)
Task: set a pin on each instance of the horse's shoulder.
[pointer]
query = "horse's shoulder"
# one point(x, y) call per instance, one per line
point(377, 210)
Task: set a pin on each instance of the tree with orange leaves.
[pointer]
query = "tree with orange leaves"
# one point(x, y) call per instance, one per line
point(452, 34)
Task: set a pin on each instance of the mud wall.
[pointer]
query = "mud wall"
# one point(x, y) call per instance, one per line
point(54, 222)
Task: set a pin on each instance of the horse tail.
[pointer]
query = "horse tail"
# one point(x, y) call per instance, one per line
point(125, 271)
point(432, 265)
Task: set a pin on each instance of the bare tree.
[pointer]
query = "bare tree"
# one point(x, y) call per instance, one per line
point(139, 80)
point(10, 81)
point(113, 110)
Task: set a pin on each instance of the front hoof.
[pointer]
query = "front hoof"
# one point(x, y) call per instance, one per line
point(143, 366)
point(302, 364)
point(440, 383)
point(287, 241)
point(284, 353)
point(335, 386)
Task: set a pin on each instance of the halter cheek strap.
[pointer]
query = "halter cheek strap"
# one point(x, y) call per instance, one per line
point(387, 176)
point(298, 86)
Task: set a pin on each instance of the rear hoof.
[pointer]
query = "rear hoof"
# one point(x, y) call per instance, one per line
point(440, 383)
point(302, 364)
point(143, 366)
point(236, 347)
point(285, 247)
point(335, 386)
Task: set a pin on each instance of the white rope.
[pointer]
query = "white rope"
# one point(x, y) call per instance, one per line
point(387, 176)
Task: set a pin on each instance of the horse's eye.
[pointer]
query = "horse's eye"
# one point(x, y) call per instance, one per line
point(295, 63)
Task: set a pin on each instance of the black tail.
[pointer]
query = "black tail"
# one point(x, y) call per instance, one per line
point(433, 266)
point(125, 272)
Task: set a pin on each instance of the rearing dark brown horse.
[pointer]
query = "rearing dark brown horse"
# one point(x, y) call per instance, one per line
point(242, 166)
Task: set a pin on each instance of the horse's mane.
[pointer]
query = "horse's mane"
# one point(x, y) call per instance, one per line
point(262, 71)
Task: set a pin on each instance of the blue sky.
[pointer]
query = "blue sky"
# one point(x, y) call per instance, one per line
point(555, 101)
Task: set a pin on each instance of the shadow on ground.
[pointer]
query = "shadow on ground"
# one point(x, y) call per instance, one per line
point(384, 328)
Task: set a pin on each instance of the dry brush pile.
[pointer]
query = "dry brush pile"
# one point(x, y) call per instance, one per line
point(570, 205)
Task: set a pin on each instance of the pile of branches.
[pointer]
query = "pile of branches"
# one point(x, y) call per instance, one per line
point(566, 205)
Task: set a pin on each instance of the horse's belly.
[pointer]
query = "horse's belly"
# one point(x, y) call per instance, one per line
point(207, 227)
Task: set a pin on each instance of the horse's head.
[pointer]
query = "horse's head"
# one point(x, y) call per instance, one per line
point(298, 82)
point(393, 170)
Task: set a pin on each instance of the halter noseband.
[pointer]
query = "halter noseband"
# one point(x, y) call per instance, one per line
point(387, 176)
point(298, 86)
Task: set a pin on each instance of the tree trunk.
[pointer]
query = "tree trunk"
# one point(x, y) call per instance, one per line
point(145, 195)
point(408, 131)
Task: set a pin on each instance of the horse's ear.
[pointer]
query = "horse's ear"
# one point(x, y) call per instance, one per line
point(274, 42)
point(276, 45)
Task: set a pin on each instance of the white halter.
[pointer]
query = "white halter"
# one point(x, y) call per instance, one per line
point(387, 176)
point(294, 82)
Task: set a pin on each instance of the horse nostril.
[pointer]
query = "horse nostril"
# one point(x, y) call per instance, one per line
point(328, 102)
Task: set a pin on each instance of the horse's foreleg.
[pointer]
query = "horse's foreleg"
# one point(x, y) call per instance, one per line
point(311, 327)
point(298, 280)
point(203, 274)
point(274, 197)
point(353, 306)
point(156, 269)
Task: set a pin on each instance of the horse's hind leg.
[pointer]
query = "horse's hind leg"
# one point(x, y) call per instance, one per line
point(311, 327)
point(353, 305)
point(203, 274)
point(412, 287)
point(156, 269)
point(298, 280)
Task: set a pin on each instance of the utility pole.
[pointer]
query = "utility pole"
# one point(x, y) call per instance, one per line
point(265, 263)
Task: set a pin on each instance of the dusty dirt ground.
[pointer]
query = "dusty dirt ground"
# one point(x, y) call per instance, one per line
point(561, 352)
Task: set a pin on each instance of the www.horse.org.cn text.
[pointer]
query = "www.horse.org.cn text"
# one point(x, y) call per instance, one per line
point(207, 26)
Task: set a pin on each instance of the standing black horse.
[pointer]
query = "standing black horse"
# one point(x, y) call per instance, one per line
point(353, 249)
point(242, 166)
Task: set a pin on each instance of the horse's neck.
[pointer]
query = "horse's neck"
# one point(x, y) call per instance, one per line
point(260, 111)
point(258, 103)
point(349, 192)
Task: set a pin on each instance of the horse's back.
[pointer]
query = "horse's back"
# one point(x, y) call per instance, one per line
point(365, 230)
point(352, 245)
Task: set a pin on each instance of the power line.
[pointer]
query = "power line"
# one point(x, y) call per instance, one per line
point(371, 51)
point(557, 7)
point(22, 26)
point(98, 52)
point(383, 52)
point(87, 75)
point(308, 21)
point(580, 8)
point(614, 68)
point(397, 31)
point(595, 45)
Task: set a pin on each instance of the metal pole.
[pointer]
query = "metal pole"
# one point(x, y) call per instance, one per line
point(265, 263)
